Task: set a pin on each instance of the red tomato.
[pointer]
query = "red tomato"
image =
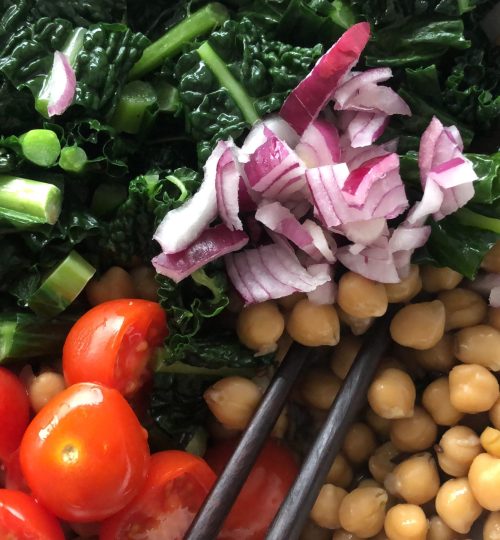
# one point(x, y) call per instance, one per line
point(265, 489)
point(14, 412)
point(176, 487)
point(85, 454)
point(22, 518)
point(112, 344)
point(14, 478)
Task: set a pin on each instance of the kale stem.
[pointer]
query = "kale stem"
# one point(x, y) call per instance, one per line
point(473, 219)
point(180, 186)
point(197, 24)
point(226, 80)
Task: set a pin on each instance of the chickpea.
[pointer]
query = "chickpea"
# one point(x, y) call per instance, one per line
point(325, 511)
point(491, 528)
point(494, 317)
point(288, 302)
point(311, 531)
point(313, 324)
point(392, 394)
point(490, 441)
point(319, 388)
point(342, 534)
point(414, 434)
point(491, 261)
point(359, 443)
point(43, 388)
point(416, 480)
point(233, 401)
point(419, 326)
point(357, 325)
point(494, 414)
point(340, 472)
point(438, 530)
point(473, 388)
point(361, 297)
point(436, 400)
point(406, 289)
point(463, 308)
point(438, 358)
point(439, 279)
point(457, 449)
point(343, 355)
point(456, 505)
point(479, 345)
point(381, 462)
point(260, 326)
point(380, 425)
point(362, 511)
point(369, 482)
point(145, 284)
point(484, 479)
point(114, 284)
point(406, 522)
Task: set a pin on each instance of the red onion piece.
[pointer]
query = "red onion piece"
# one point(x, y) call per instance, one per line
point(366, 127)
point(326, 293)
point(212, 244)
point(307, 100)
point(357, 81)
point(365, 232)
point(323, 245)
point(319, 145)
point(227, 187)
point(61, 85)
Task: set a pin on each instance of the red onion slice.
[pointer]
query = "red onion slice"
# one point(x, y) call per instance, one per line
point(319, 145)
point(366, 127)
point(380, 99)
point(227, 187)
point(61, 85)
point(326, 293)
point(355, 83)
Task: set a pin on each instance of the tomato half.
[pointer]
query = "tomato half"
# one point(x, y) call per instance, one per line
point(85, 454)
point(112, 344)
point(175, 489)
point(14, 412)
point(265, 489)
point(22, 518)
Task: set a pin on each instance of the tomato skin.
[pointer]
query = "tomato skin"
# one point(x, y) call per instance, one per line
point(265, 489)
point(14, 412)
point(85, 454)
point(112, 343)
point(25, 519)
point(179, 470)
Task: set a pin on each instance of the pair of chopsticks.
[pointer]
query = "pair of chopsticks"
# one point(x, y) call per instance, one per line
point(294, 511)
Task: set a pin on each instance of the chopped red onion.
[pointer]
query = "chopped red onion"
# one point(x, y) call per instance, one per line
point(366, 127)
point(326, 293)
point(365, 232)
point(212, 244)
point(227, 187)
point(319, 145)
point(323, 244)
point(61, 85)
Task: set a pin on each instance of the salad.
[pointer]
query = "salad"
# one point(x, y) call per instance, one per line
point(187, 188)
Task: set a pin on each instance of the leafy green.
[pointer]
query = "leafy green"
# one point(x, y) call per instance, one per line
point(487, 188)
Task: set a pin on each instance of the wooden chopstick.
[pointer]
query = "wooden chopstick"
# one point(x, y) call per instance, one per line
point(220, 500)
point(293, 514)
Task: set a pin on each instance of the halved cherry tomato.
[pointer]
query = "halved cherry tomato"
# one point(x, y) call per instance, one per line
point(112, 344)
point(85, 454)
point(265, 489)
point(175, 489)
point(22, 518)
point(14, 412)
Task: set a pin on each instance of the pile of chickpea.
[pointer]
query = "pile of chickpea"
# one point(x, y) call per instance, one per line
point(423, 461)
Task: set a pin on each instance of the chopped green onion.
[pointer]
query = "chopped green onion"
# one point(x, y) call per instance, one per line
point(168, 96)
point(135, 100)
point(108, 197)
point(40, 146)
point(198, 443)
point(73, 159)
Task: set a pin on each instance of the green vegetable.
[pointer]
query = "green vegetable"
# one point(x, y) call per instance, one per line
point(136, 99)
point(62, 286)
point(24, 203)
point(40, 146)
point(487, 188)
point(73, 159)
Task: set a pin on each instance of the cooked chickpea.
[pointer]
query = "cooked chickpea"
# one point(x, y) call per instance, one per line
point(359, 443)
point(416, 480)
point(490, 441)
point(406, 522)
point(494, 317)
point(260, 326)
point(491, 261)
point(369, 482)
point(419, 326)
point(457, 449)
point(456, 505)
point(340, 472)
point(473, 388)
point(325, 511)
point(357, 325)
point(380, 425)
point(362, 511)
point(43, 388)
point(233, 401)
point(479, 345)
point(439, 279)
point(114, 284)
point(438, 530)
point(484, 479)
point(494, 414)
point(343, 355)
point(463, 308)
point(438, 358)
point(287, 302)
point(319, 388)
point(491, 528)
point(361, 297)
point(436, 400)
point(381, 462)
point(392, 394)
point(145, 284)
point(414, 434)
point(313, 324)
point(406, 289)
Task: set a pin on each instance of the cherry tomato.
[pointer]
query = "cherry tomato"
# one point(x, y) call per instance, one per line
point(22, 518)
point(14, 412)
point(175, 489)
point(14, 478)
point(112, 344)
point(265, 489)
point(85, 454)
